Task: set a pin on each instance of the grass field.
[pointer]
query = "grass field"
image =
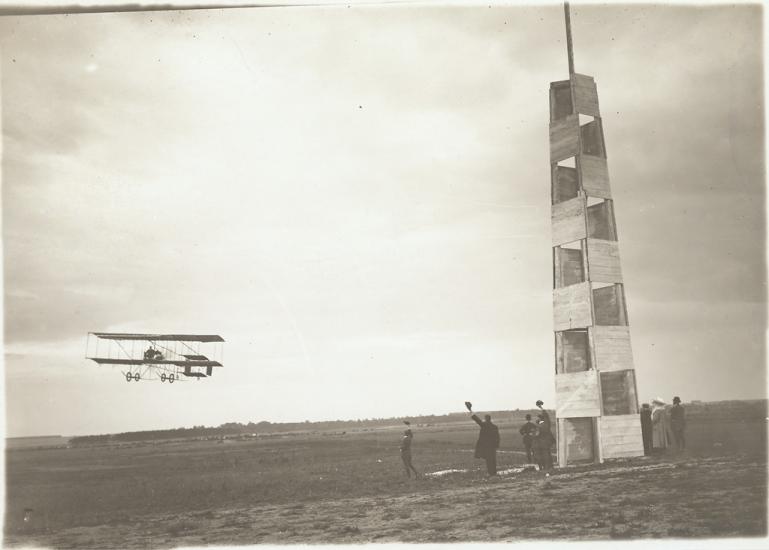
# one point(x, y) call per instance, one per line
point(334, 487)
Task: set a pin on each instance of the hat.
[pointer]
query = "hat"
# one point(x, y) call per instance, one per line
point(676, 399)
point(658, 401)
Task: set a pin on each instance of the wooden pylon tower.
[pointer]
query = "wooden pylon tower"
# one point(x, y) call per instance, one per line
point(596, 402)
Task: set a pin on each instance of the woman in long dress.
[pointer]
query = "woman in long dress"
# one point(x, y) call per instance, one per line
point(660, 426)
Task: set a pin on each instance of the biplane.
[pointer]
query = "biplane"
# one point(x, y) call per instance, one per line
point(164, 357)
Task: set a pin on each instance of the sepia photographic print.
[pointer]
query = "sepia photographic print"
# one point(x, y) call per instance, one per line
point(328, 273)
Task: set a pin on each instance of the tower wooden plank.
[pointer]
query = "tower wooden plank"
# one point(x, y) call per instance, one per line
point(577, 394)
point(571, 307)
point(595, 176)
point(612, 348)
point(621, 436)
point(564, 138)
point(585, 95)
point(568, 219)
point(560, 441)
point(603, 258)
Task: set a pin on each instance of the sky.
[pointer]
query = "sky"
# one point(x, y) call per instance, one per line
point(357, 199)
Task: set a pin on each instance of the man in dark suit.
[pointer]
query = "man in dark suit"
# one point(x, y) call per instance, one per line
point(544, 440)
point(528, 431)
point(646, 428)
point(678, 423)
point(488, 441)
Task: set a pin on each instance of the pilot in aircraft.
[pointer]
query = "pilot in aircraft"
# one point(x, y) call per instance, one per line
point(152, 354)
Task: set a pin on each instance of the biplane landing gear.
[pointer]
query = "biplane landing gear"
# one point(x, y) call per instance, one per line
point(163, 377)
point(128, 377)
point(136, 377)
point(171, 378)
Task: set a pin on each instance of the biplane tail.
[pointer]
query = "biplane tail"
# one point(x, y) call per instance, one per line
point(197, 374)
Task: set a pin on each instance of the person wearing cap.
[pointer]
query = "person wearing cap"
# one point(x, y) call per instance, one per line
point(660, 426)
point(544, 439)
point(406, 453)
point(528, 431)
point(488, 441)
point(678, 423)
point(646, 428)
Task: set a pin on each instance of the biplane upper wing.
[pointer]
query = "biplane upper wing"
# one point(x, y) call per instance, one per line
point(160, 337)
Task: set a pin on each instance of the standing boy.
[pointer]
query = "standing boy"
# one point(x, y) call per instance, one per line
point(406, 453)
point(528, 431)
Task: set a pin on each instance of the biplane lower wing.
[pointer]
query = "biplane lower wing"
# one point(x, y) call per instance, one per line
point(177, 363)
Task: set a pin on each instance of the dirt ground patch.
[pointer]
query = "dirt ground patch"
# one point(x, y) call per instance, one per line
point(350, 487)
point(644, 498)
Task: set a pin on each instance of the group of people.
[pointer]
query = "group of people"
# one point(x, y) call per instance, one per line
point(663, 426)
point(538, 439)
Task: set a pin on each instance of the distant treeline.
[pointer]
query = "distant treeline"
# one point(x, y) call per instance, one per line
point(237, 428)
point(724, 410)
point(178, 433)
point(736, 411)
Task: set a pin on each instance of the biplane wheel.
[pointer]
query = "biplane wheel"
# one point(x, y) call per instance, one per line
point(128, 377)
point(170, 378)
point(163, 377)
point(136, 376)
